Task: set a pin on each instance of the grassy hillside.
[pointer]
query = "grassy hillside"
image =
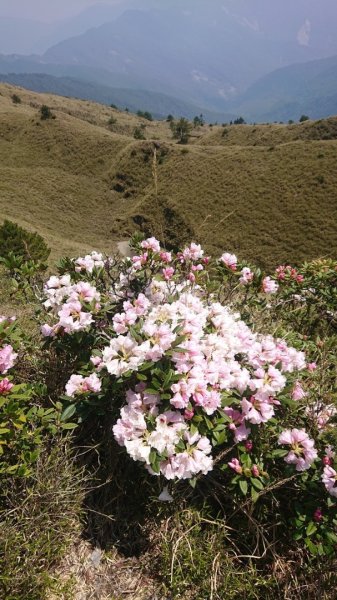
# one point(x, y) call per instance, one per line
point(268, 193)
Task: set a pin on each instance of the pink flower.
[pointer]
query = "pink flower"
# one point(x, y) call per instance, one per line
point(166, 257)
point(139, 261)
point(329, 451)
point(312, 366)
point(7, 358)
point(255, 471)
point(78, 384)
point(235, 465)
point(167, 273)
point(247, 276)
point(5, 386)
point(47, 331)
point(303, 452)
point(73, 318)
point(238, 425)
point(230, 260)
point(151, 244)
point(193, 252)
point(257, 411)
point(329, 478)
point(269, 285)
point(188, 414)
point(298, 392)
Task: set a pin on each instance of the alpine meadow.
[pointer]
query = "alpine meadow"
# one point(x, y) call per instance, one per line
point(168, 300)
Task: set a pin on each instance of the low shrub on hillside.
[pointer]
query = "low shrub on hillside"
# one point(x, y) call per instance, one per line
point(18, 241)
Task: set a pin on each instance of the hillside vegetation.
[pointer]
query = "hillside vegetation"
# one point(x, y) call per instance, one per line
point(82, 180)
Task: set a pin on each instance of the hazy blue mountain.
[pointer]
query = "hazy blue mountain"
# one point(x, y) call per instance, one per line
point(159, 105)
point(19, 35)
point(24, 36)
point(307, 88)
point(207, 53)
point(204, 52)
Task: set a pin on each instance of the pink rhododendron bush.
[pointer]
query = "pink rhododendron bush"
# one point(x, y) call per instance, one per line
point(206, 372)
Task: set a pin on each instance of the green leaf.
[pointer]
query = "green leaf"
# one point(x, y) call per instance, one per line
point(257, 483)
point(243, 486)
point(311, 528)
point(313, 549)
point(68, 412)
point(151, 391)
point(332, 536)
point(254, 494)
point(279, 453)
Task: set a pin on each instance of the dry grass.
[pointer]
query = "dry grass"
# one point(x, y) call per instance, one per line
point(267, 192)
point(88, 573)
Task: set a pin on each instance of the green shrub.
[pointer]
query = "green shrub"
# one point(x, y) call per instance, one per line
point(145, 115)
point(138, 133)
point(45, 113)
point(22, 243)
point(16, 99)
point(112, 121)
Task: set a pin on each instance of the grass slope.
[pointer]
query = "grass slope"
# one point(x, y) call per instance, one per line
point(266, 192)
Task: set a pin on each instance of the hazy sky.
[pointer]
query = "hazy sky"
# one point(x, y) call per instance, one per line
point(46, 10)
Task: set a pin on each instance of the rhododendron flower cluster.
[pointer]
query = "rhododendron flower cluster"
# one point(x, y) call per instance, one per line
point(79, 385)
point(89, 262)
point(329, 479)
point(269, 285)
point(7, 358)
point(303, 452)
point(73, 304)
point(193, 374)
point(209, 352)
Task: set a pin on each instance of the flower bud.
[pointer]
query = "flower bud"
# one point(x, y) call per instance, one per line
point(318, 515)
point(249, 445)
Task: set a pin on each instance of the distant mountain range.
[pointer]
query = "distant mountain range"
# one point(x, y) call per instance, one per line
point(159, 105)
point(307, 88)
point(229, 56)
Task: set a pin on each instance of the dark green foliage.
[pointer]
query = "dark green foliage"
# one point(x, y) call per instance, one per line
point(112, 121)
point(16, 99)
point(138, 133)
point(145, 115)
point(45, 113)
point(170, 118)
point(239, 121)
point(181, 130)
point(22, 243)
point(199, 121)
point(303, 118)
point(114, 106)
